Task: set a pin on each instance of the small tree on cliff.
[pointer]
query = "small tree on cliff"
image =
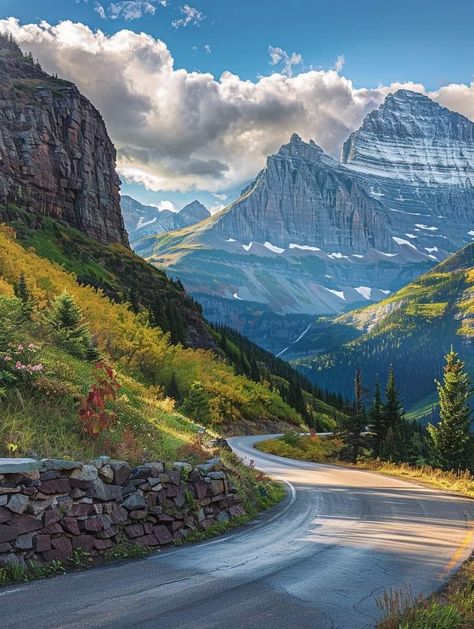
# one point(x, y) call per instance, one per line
point(451, 438)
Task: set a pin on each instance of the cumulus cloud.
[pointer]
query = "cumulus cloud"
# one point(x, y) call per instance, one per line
point(190, 15)
point(180, 130)
point(278, 56)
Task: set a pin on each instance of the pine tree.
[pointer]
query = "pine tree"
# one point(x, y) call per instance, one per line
point(66, 319)
point(172, 389)
point(23, 293)
point(451, 438)
point(196, 405)
point(354, 426)
point(392, 419)
point(376, 421)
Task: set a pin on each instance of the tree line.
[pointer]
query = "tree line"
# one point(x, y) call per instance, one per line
point(377, 427)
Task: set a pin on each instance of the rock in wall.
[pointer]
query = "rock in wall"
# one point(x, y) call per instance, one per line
point(49, 508)
point(56, 158)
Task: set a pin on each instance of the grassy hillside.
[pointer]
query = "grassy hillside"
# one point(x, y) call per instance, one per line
point(40, 413)
point(411, 329)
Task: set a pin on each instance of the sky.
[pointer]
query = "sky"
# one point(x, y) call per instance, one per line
point(196, 95)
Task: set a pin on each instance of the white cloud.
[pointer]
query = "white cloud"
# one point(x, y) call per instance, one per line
point(190, 15)
point(128, 9)
point(167, 205)
point(339, 64)
point(100, 10)
point(279, 56)
point(207, 48)
point(177, 130)
point(219, 196)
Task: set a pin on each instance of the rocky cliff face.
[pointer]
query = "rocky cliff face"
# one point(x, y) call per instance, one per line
point(312, 235)
point(56, 157)
point(143, 221)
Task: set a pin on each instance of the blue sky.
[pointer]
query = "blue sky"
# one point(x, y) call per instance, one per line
point(380, 43)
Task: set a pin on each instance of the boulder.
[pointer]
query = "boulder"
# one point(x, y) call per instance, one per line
point(134, 501)
point(162, 534)
point(121, 470)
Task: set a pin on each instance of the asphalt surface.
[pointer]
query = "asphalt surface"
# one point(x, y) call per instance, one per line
point(319, 560)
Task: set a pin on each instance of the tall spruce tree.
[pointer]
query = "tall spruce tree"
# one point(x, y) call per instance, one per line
point(23, 293)
point(451, 439)
point(354, 425)
point(394, 447)
point(376, 422)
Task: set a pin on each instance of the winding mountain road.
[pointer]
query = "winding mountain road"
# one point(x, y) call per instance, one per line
point(319, 560)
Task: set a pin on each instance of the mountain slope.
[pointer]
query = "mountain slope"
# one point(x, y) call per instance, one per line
point(412, 330)
point(143, 221)
point(111, 274)
point(311, 235)
point(57, 158)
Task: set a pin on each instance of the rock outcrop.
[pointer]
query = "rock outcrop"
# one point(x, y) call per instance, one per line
point(50, 508)
point(56, 158)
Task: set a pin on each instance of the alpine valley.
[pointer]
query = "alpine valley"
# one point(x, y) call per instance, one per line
point(311, 235)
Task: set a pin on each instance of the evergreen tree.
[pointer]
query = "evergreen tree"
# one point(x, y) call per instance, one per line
point(394, 447)
point(66, 319)
point(23, 293)
point(172, 389)
point(196, 405)
point(354, 426)
point(451, 438)
point(376, 421)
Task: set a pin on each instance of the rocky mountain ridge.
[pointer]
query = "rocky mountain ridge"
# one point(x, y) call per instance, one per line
point(143, 221)
point(313, 235)
point(56, 156)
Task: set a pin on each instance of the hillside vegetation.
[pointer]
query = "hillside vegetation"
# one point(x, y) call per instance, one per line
point(411, 329)
point(156, 378)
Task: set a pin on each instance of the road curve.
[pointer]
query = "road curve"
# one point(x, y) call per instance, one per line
point(340, 539)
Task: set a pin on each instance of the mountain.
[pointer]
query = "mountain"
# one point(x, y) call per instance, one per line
point(313, 235)
point(56, 156)
point(412, 330)
point(139, 317)
point(143, 221)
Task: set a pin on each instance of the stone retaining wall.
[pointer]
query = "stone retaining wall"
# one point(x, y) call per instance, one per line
point(49, 508)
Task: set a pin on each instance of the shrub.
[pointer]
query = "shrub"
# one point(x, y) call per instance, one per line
point(93, 411)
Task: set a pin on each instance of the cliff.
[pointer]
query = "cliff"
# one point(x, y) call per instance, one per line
point(56, 158)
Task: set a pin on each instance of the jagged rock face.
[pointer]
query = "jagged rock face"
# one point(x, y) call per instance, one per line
point(55, 154)
point(191, 214)
point(312, 235)
point(305, 197)
point(143, 221)
point(412, 138)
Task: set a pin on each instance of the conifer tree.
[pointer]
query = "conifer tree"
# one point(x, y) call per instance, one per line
point(451, 438)
point(392, 419)
point(23, 293)
point(355, 423)
point(66, 319)
point(173, 389)
point(196, 405)
point(376, 419)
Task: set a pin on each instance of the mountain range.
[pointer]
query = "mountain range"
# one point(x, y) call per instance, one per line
point(142, 221)
point(311, 235)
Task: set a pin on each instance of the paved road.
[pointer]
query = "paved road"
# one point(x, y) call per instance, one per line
point(319, 560)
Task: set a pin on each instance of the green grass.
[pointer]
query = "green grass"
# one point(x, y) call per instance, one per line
point(452, 608)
